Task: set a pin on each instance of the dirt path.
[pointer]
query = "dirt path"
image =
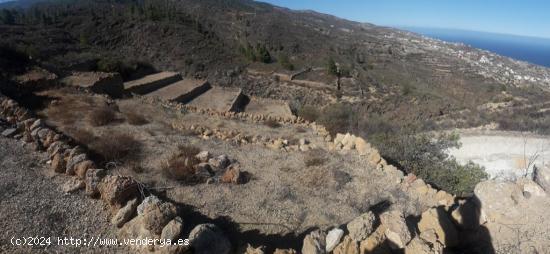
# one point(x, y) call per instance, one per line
point(32, 204)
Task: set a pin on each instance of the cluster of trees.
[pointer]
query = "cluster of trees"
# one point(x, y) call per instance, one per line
point(260, 53)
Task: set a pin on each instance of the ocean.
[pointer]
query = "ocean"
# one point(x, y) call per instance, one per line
point(529, 49)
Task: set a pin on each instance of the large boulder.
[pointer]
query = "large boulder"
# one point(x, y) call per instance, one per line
point(437, 219)
point(207, 238)
point(314, 243)
point(361, 227)
point(522, 204)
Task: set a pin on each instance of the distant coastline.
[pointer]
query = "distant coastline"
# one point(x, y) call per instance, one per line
point(529, 49)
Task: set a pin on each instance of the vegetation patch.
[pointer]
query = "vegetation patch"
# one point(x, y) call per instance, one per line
point(134, 118)
point(101, 116)
point(116, 147)
point(180, 165)
point(272, 123)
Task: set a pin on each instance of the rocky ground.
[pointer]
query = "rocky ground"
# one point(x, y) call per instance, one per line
point(32, 203)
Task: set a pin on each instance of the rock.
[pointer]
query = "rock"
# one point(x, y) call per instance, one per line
point(251, 250)
point(333, 239)
point(117, 190)
point(374, 157)
point(9, 132)
point(134, 229)
point(277, 144)
point(361, 227)
point(73, 185)
point(207, 238)
point(58, 163)
point(303, 141)
point(396, 232)
point(338, 139)
point(284, 251)
point(82, 167)
point(202, 171)
point(314, 243)
point(499, 202)
point(233, 175)
point(418, 246)
point(203, 156)
point(347, 246)
point(348, 141)
point(376, 242)
point(542, 177)
point(73, 161)
point(125, 213)
point(219, 163)
point(304, 148)
point(436, 219)
point(148, 201)
point(93, 178)
point(363, 148)
point(36, 124)
point(531, 188)
point(157, 215)
point(173, 229)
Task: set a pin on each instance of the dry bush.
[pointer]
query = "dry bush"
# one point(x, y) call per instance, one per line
point(134, 118)
point(314, 158)
point(81, 136)
point(326, 177)
point(272, 123)
point(117, 147)
point(101, 116)
point(179, 166)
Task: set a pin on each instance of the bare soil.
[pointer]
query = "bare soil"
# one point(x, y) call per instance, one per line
point(32, 204)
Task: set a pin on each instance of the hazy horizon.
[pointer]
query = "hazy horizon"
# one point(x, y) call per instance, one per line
point(527, 18)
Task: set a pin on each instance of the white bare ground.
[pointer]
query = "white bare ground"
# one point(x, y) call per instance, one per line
point(505, 155)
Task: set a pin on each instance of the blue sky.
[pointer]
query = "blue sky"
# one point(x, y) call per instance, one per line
point(519, 17)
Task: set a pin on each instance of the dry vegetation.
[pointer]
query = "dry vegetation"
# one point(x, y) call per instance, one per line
point(101, 116)
point(272, 123)
point(314, 158)
point(179, 166)
point(134, 118)
point(116, 147)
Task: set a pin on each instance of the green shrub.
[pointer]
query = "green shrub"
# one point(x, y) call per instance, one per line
point(263, 54)
point(284, 61)
point(425, 156)
point(332, 69)
point(309, 113)
point(338, 118)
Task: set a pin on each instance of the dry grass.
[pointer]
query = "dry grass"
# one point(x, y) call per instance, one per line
point(314, 158)
point(179, 166)
point(272, 123)
point(101, 116)
point(134, 118)
point(81, 136)
point(117, 147)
